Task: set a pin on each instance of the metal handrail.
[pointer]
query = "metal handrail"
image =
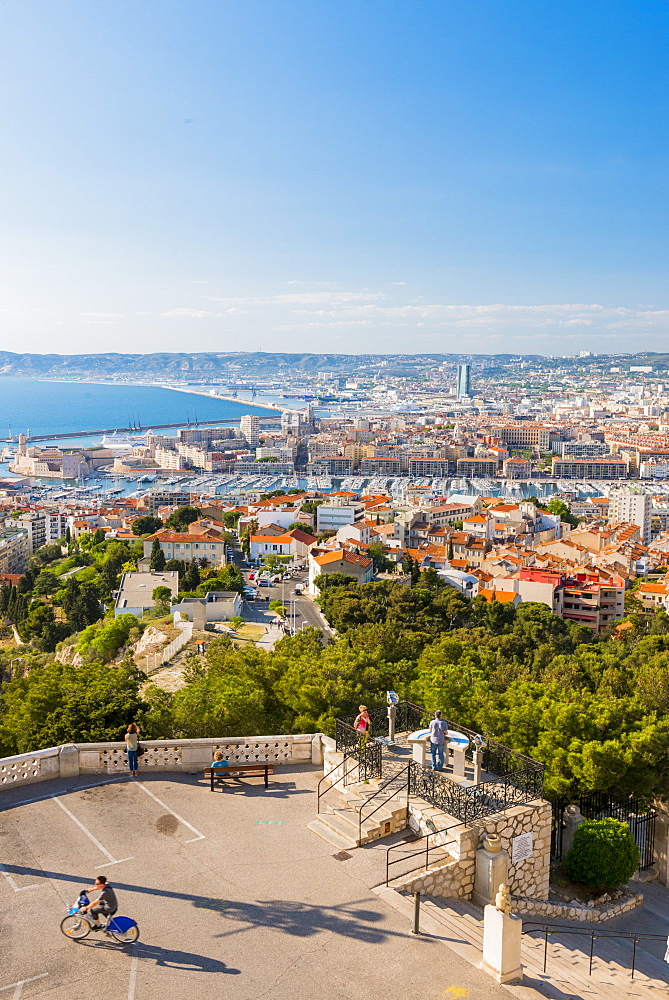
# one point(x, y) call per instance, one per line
point(426, 837)
point(633, 936)
point(320, 794)
point(378, 792)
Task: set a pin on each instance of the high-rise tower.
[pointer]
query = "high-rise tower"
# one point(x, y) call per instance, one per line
point(463, 384)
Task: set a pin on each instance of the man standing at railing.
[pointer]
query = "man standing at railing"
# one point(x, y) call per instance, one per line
point(438, 730)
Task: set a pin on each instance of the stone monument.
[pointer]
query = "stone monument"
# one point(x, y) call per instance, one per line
point(492, 869)
point(502, 935)
point(572, 818)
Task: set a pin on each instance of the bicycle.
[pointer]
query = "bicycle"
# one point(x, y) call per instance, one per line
point(77, 925)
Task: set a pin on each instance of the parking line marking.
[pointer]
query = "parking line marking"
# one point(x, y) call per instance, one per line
point(200, 836)
point(45, 798)
point(112, 859)
point(133, 975)
point(17, 888)
point(18, 987)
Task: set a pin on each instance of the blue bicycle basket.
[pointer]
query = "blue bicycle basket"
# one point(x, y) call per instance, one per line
point(120, 924)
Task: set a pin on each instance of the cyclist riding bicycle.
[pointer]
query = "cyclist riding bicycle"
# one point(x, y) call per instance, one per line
point(105, 905)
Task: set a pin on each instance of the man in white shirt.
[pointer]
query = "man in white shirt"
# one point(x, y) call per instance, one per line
point(438, 730)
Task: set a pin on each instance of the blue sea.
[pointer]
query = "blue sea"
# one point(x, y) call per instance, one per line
point(38, 406)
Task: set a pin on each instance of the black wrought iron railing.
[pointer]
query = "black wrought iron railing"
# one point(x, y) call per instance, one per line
point(345, 767)
point(631, 937)
point(421, 853)
point(515, 778)
point(471, 802)
point(639, 816)
point(409, 717)
point(364, 748)
point(396, 785)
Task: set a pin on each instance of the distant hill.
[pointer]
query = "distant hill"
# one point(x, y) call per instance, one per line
point(183, 366)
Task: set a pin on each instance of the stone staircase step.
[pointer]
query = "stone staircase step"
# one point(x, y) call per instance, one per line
point(341, 841)
point(566, 963)
point(464, 926)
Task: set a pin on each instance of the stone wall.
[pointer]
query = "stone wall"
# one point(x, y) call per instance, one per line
point(578, 911)
point(531, 876)
point(456, 878)
point(445, 880)
point(189, 756)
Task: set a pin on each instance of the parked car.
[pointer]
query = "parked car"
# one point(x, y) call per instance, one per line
point(264, 582)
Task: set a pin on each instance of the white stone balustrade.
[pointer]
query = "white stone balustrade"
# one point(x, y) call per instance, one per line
point(187, 756)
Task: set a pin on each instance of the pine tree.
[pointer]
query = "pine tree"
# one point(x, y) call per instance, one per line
point(191, 577)
point(157, 557)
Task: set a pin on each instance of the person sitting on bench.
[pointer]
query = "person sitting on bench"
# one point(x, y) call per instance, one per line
point(219, 760)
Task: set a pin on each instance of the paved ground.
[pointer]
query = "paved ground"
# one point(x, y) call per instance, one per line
point(234, 897)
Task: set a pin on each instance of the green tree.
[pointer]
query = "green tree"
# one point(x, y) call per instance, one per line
point(191, 577)
point(378, 553)
point(46, 583)
point(275, 563)
point(180, 518)
point(41, 628)
point(560, 508)
point(81, 604)
point(146, 525)
point(61, 704)
point(328, 581)
point(301, 526)
point(157, 561)
point(162, 597)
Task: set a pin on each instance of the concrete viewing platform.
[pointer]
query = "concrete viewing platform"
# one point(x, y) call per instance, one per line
point(233, 895)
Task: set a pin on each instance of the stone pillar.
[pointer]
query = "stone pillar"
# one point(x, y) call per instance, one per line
point(68, 757)
point(478, 766)
point(571, 820)
point(502, 935)
point(458, 763)
point(492, 869)
point(317, 749)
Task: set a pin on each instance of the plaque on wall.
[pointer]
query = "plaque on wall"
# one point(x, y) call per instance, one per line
point(521, 847)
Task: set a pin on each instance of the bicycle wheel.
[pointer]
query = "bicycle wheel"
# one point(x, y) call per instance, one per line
point(75, 926)
point(127, 936)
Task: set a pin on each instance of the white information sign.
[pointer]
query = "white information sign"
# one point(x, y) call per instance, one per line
point(521, 847)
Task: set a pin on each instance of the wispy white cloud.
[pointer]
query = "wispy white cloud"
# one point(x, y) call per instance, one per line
point(187, 314)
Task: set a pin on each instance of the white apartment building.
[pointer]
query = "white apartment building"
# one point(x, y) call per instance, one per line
point(654, 470)
point(168, 459)
point(249, 427)
point(42, 527)
point(632, 507)
point(13, 549)
point(335, 516)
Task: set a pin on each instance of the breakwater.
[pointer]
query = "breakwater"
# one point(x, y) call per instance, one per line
point(132, 430)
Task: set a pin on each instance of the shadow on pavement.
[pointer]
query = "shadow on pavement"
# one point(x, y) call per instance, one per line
point(304, 919)
point(296, 918)
point(168, 958)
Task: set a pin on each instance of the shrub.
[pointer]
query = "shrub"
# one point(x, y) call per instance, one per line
point(604, 854)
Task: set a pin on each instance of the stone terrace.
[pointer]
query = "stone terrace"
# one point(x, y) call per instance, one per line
point(233, 895)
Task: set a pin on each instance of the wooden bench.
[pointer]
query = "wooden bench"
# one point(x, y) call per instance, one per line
point(260, 768)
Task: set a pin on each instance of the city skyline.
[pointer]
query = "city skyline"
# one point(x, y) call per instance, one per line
point(389, 180)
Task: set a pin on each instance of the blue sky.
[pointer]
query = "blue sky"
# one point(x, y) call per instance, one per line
point(312, 175)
